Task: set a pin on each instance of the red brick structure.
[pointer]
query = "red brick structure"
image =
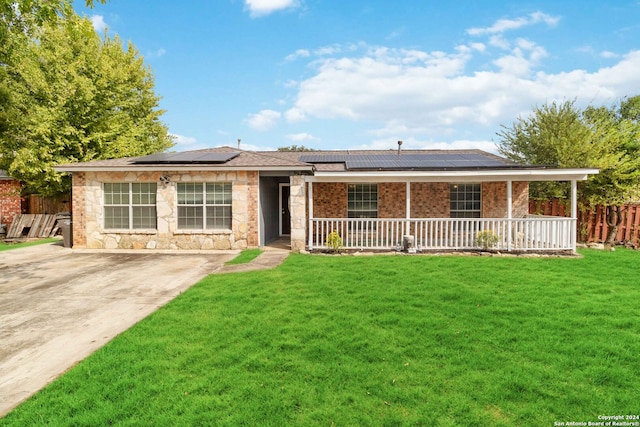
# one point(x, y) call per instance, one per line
point(78, 206)
point(428, 200)
point(10, 200)
point(374, 198)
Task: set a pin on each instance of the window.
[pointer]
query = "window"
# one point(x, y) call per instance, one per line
point(362, 200)
point(204, 205)
point(129, 205)
point(465, 200)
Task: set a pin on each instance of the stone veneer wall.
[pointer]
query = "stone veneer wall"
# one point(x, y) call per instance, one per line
point(298, 210)
point(428, 200)
point(10, 200)
point(89, 231)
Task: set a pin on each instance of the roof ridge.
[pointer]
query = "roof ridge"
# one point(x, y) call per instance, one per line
point(262, 153)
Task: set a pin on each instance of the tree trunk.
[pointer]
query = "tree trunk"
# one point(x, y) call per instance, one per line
point(614, 216)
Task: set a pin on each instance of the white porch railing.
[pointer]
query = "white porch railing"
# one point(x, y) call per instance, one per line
point(533, 233)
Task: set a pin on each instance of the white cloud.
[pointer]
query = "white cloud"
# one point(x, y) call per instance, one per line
point(263, 120)
point(156, 54)
point(328, 50)
point(503, 25)
point(525, 55)
point(409, 92)
point(418, 144)
point(185, 143)
point(608, 54)
point(259, 8)
point(98, 23)
point(499, 41)
point(250, 147)
point(300, 53)
point(300, 137)
point(295, 115)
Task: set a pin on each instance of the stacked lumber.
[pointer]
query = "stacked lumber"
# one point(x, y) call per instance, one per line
point(38, 225)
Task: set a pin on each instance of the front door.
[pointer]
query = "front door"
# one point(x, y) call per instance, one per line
point(285, 215)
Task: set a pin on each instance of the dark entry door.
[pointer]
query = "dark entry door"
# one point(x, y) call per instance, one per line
point(285, 215)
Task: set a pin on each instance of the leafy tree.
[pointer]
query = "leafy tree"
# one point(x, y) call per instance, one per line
point(78, 97)
point(618, 182)
point(563, 136)
point(553, 135)
point(296, 148)
point(20, 18)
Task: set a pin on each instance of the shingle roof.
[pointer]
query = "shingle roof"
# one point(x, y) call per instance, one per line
point(325, 160)
point(244, 159)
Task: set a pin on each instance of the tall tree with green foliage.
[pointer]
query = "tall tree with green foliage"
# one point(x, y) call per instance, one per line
point(77, 97)
point(561, 135)
point(20, 18)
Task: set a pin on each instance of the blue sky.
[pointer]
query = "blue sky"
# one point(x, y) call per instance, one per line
point(332, 74)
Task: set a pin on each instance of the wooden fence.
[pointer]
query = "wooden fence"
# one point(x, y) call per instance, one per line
point(47, 205)
point(592, 224)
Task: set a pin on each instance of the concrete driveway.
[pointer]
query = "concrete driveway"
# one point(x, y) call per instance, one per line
point(58, 305)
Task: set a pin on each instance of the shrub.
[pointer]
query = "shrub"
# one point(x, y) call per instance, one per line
point(486, 239)
point(334, 242)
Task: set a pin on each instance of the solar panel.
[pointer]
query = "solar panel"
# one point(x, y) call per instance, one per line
point(323, 158)
point(404, 161)
point(186, 157)
point(421, 161)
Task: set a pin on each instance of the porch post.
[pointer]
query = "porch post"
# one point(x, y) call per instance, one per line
point(297, 196)
point(509, 213)
point(574, 213)
point(310, 203)
point(408, 207)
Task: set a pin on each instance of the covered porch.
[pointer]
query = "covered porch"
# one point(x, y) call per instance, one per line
point(506, 228)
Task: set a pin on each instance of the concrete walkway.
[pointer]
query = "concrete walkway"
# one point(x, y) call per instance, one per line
point(269, 258)
point(58, 305)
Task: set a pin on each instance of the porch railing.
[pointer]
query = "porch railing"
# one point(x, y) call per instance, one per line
point(533, 233)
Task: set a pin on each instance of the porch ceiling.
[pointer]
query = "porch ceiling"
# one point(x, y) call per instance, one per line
point(485, 175)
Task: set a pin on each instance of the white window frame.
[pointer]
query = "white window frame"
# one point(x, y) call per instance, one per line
point(130, 206)
point(360, 191)
point(467, 205)
point(199, 201)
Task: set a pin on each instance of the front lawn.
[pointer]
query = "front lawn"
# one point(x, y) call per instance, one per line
point(372, 341)
point(245, 256)
point(5, 246)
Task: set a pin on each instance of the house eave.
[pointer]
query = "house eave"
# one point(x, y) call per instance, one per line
point(181, 168)
point(485, 175)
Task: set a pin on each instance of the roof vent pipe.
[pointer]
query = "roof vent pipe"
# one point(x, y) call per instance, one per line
point(399, 145)
point(239, 143)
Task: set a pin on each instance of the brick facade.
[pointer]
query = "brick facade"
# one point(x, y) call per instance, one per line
point(78, 206)
point(10, 200)
point(392, 200)
point(428, 200)
point(494, 199)
point(330, 200)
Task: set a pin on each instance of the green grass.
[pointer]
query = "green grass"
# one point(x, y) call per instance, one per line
point(245, 256)
point(372, 341)
point(5, 246)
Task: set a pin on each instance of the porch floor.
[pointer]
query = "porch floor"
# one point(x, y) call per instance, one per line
point(281, 243)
